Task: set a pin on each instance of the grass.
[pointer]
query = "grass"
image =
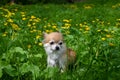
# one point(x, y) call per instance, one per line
point(90, 28)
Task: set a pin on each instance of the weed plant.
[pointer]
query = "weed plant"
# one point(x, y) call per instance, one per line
point(91, 29)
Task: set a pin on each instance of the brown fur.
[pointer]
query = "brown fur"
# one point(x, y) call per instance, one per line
point(56, 36)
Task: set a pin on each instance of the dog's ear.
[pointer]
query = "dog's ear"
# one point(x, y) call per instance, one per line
point(44, 35)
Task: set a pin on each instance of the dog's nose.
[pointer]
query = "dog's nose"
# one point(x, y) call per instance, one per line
point(57, 48)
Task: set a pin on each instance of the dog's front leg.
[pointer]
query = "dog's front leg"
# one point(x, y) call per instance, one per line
point(51, 62)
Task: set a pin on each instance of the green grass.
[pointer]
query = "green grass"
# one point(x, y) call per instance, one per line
point(90, 28)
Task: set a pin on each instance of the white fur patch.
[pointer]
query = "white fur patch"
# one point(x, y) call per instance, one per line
point(55, 56)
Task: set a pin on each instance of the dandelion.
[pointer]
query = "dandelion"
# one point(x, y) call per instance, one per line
point(33, 23)
point(34, 30)
point(54, 26)
point(93, 21)
point(87, 28)
point(10, 20)
point(22, 13)
point(29, 46)
point(108, 23)
point(49, 25)
point(85, 23)
point(40, 44)
point(5, 23)
point(106, 30)
point(66, 20)
point(113, 6)
point(33, 17)
point(67, 25)
point(112, 31)
point(108, 36)
point(38, 36)
point(97, 20)
point(87, 7)
point(80, 25)
point(73, 6)
point(103, 39)
point(98, 30)
point(29, 25)
point(34, 27)
point(4, 34)
point(111, 44)
point(30, 20)
point(15, 26)
point(24, 18)
point(118, 19)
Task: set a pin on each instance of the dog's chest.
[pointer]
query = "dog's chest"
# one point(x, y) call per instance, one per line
point(54, 55)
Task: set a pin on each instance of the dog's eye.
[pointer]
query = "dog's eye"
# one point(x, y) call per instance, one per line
point(60, 43)
point(51, 43)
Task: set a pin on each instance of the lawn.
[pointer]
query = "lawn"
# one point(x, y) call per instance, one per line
point(92, 29)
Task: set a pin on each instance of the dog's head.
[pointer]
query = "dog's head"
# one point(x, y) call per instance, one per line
point(53, 42)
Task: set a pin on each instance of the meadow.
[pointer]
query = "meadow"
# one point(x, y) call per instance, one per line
point(92, 29)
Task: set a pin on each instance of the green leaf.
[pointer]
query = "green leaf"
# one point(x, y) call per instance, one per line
point(11, 71)
point(26, 67)
point(1, 72)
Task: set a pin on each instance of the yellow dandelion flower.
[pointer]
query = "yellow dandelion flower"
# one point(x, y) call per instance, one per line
point(33, 17)
point(29, 25)
point(106, 30)
point(31, 31)
point(87, 28)
point(34, 27)
point(65, 20)
point(108, 36)
point(29, 46)
point(10, 20)
point(85, 23)
point(54, 27)
point(38, 36)
point(30, 20)
point(81, 29)
point(5, 23)
point(22, 13)
point(108, 23)
point(87, 7)
point(103, 39)
point(34, 30)
point(111, 44)
point(93, 21)
point(80, 25)
point(33, 23)
point(37, 20)
point(97, 20)
point(112, 31)
point(24, 18)
point(40, 44)
point(67, 25)
point(45, 26)
point(98, 30)
point(47, 31)
point(49, 25)
point(15, 26)
point(4, 34)
point(113, 6)
point(15, 9)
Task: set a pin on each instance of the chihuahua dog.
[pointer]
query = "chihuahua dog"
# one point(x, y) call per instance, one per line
point(58, 55)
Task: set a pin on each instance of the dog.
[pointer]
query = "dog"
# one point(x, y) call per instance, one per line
point(58, 55)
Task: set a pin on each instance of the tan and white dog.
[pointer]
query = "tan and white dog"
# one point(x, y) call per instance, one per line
point(58, 55)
